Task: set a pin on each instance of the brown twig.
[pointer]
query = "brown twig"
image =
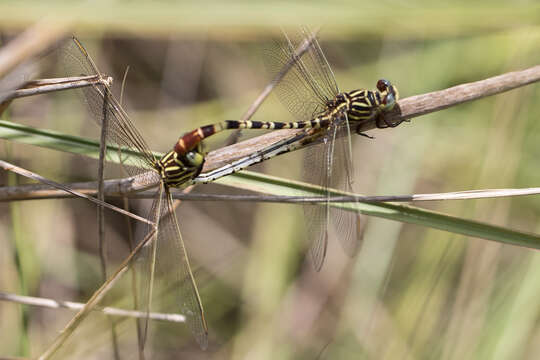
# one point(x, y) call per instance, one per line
point(43, 86)
point(438, 100)
point(26, 173)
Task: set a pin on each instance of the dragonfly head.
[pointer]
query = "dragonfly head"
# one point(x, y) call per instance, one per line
point(189, 150)
point(389, 94)
point(178, 168)
point(195, 158)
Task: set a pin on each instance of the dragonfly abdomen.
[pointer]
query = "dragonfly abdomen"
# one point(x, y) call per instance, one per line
point(191, 139)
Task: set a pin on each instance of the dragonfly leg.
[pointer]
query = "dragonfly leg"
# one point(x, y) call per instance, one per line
point(364, 134)
point(381, 122)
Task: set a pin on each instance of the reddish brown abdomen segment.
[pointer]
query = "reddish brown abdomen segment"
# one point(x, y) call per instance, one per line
point(191, 139)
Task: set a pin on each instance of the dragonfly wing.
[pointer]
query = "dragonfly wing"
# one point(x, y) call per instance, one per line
point(317, 171)
point(347, 225)
point(163, 270)
point(174, 273)
point(144, 268)
point(303, 83)
point(101, 103)
point(319, 69)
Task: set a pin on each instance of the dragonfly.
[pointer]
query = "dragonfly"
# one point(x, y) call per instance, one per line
point(310, 92)
point(162, 263)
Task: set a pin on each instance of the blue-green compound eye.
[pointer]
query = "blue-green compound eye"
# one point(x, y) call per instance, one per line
point(195, 158)
point(390, 94)
point(390, 101)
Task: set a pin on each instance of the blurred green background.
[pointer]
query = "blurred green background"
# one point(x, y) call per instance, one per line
point(411, 293)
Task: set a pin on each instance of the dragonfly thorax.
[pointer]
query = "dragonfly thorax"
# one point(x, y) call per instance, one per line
point(365, 104)
point(176, 169)
point(362, 104)
point(340, 101)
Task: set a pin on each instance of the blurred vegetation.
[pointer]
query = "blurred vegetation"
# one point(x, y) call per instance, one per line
point(410, 293)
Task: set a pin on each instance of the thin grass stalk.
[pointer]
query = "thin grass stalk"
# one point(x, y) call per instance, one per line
point(10, 167)
point(109, 311)
point(134, 289)
point(45, 86)
point(122, 188)
point(95, 299)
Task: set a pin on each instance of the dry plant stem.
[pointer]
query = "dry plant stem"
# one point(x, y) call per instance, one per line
point(101, 194)
point(102, 244)
point(57, 304)
point(41, 191)
point(131, 242)
point(10, 167)
point(121, 188)
point(438, 100)
point(95, 299)
point(43, 86)
point(28, 44)
point(233, 139)
point(407, 108)
point(456, 195)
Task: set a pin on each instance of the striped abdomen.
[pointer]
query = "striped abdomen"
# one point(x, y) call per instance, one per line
point(191, 139)
point(360, 105)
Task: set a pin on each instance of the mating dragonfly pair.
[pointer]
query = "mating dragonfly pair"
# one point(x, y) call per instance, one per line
point(310, 92)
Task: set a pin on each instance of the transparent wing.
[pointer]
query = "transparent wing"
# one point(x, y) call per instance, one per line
point(348, 226)
point(317, 170)
point(144, 268)
point(103, 106)
point(305, 89)
point(173, 267)
point(329, 165)
point(163, 270)
point(314, 61)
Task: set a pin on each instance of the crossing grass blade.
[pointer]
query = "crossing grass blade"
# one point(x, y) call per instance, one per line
point(253, 181)
point(63, 142)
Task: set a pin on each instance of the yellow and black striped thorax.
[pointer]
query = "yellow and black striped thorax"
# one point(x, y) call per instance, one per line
point(177, 169)
point(362, 104)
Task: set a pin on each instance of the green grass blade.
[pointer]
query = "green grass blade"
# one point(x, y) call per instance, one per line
point(62, 142)
point(277, 186)
point(248, 180)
